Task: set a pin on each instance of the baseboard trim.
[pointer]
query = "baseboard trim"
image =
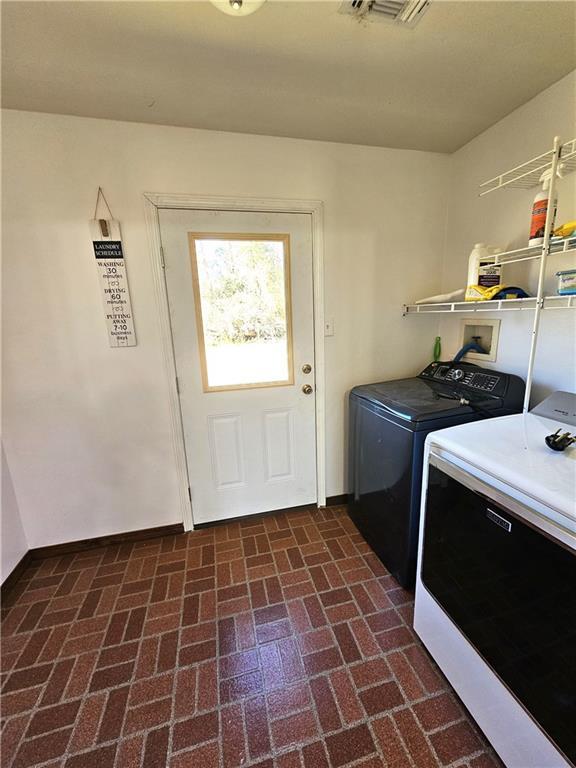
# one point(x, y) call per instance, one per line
point(71, 547)
point(337, 501)
point(11, 580)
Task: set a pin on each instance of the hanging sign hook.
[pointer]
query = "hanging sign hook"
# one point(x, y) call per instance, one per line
point(104, 229)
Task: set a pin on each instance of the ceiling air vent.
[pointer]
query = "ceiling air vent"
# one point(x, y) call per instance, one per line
point(405, 12)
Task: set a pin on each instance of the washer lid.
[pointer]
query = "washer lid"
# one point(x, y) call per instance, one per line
point(412, 399)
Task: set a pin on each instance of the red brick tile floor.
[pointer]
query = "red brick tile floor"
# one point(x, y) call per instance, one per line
point(277, 642)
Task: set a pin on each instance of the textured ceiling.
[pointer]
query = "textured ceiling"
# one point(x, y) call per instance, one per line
point(296, 69)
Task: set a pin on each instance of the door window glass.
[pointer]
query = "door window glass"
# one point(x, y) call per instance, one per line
point(242, 297)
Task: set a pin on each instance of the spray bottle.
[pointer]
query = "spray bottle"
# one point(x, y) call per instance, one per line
point(540, 210)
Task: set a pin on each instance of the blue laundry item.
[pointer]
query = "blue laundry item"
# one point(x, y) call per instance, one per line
point(505, 292)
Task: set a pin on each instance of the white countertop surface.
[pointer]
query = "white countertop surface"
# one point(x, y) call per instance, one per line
point(512, 450)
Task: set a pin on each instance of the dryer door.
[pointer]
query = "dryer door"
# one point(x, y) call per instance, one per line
point(510, 591)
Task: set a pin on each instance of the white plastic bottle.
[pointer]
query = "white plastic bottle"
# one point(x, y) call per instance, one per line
point(491, 273)
point(480, 255)
point(540, 210)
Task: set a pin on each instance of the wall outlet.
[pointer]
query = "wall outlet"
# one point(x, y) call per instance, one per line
point(329, 327)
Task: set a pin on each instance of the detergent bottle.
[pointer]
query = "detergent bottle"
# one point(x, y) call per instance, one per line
point(540, 210)
point(483, 268)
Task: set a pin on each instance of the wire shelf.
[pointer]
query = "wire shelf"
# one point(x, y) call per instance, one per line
point(527, 175)
point(535, 251)
point(519, 254)
point(568, 157)
point(523, 176)
point(563, 246)
point(502, 305)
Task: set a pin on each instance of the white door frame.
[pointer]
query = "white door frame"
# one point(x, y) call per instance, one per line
point(152, 203)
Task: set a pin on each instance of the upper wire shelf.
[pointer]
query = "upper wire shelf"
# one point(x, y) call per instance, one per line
point(568, 245)
point(568, 156)
point(527, 175)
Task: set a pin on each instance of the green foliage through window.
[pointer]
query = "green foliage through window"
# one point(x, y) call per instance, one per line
point(242, 288)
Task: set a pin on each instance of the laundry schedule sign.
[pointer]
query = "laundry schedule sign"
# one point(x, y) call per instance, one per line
point(109, 258)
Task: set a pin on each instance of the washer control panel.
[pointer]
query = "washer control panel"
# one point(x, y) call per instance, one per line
point(484, 381)
point(466, 375)
point(472, 382)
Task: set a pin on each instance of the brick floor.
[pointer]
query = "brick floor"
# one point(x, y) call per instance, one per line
point(276, 642)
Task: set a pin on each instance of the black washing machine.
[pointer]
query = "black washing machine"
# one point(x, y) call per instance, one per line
point(389, 422)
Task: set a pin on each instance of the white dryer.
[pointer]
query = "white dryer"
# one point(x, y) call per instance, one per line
point(496, 578)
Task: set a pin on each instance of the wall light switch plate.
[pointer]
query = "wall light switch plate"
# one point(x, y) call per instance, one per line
point(329, 327)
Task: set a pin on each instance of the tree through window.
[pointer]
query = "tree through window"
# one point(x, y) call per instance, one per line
point(242, 296)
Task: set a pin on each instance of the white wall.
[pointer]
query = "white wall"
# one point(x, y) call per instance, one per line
point(14, 544)
point(503, 218)
point(86, 427)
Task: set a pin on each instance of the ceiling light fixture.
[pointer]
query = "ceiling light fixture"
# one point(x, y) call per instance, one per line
point(237, 7)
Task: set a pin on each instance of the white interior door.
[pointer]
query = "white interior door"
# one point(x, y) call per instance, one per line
point(240, 293)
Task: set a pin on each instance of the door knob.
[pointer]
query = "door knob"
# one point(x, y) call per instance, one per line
point(307, 389)
point(306, 368)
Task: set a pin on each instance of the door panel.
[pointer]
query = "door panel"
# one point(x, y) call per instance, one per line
point(241, 306)
point(225, 436)
point(279, 444)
